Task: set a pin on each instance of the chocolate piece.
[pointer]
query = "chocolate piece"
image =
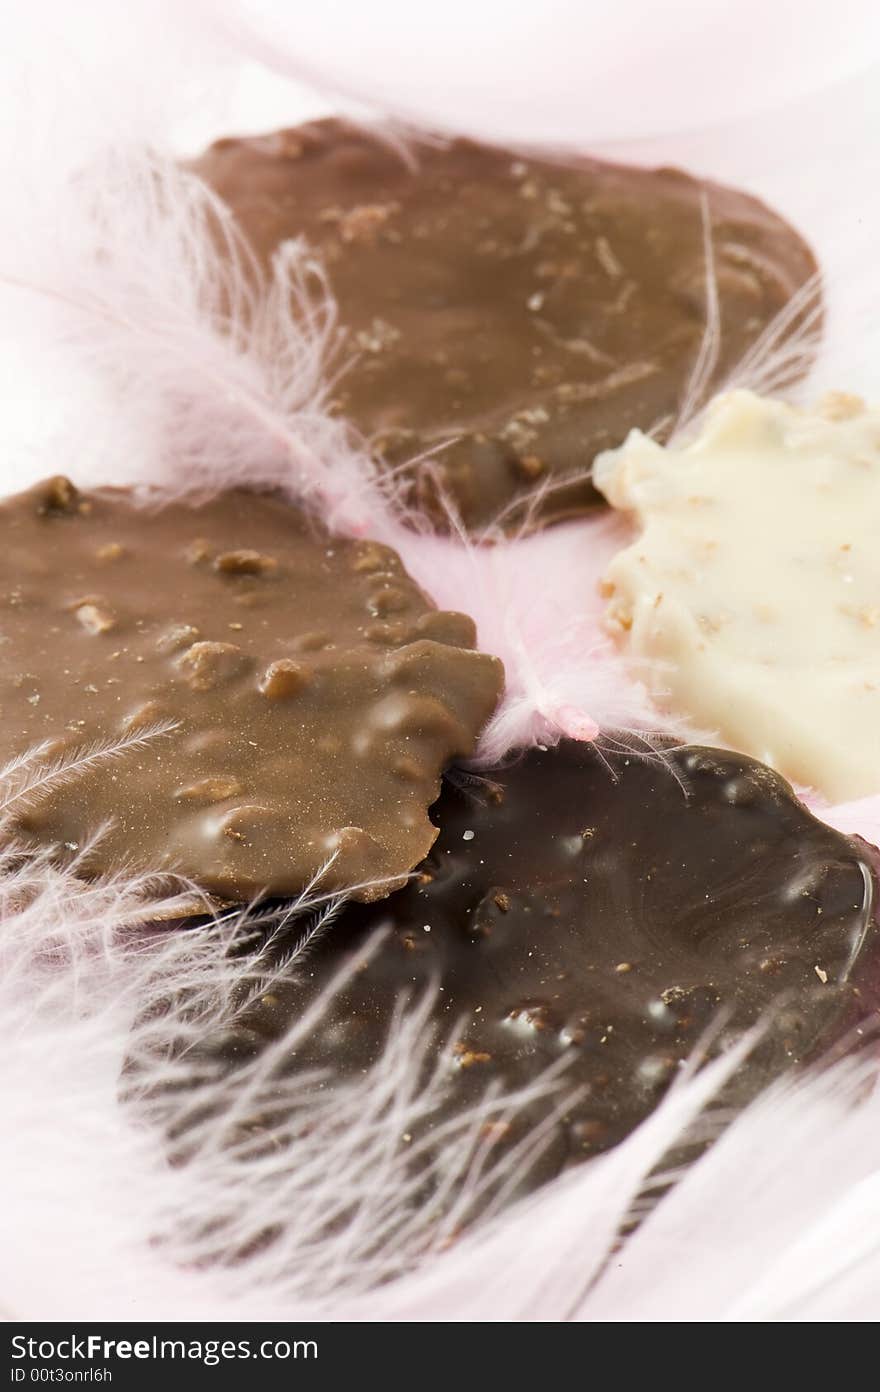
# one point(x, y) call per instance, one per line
point(316, 693)
point(608, 910)
point(532, 313)
point(749, 600)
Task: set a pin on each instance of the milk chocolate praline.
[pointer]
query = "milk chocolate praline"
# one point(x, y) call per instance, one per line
point(611, 911)
point(307, 694)
point(512, 314)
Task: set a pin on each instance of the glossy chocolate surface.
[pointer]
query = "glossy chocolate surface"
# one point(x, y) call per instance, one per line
point(315, 692)
point(609, 913)
point(530, 313)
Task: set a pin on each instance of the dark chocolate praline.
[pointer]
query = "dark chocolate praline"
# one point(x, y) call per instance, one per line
point(614, 910)
point(511, 314)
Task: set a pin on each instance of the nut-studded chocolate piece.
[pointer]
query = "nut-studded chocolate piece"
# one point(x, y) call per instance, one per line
point(610, 916)
point(316, 694)
point(521, 315)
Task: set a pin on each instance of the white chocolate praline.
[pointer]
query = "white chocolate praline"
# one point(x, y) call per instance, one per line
point(751, 600)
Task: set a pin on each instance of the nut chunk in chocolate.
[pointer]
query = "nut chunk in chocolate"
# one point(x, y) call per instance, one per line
point(607, 916)
point(315, 692)
point(520, 314)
